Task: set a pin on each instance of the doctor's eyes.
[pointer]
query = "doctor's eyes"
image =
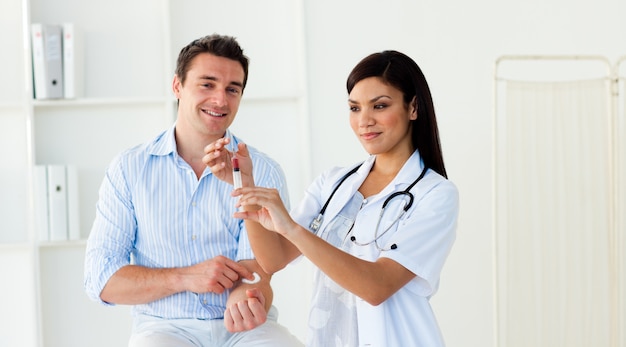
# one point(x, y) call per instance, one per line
point(380, 106)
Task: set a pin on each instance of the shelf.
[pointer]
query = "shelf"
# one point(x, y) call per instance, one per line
point(9, 105)
point(254, 99)
point(15, 246)
point(82, 102)
point(246, 99)
point(63, 244)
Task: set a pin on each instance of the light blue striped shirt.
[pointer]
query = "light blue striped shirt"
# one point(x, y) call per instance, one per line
point(151, 205)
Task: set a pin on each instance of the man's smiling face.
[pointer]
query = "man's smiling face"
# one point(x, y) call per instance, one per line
point(210, 97)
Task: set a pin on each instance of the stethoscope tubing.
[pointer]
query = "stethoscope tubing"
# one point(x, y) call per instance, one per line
point(317, 221)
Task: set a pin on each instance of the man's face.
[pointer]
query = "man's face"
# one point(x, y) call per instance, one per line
point(210, 97)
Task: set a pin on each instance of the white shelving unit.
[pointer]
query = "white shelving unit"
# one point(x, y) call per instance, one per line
point(129, 51)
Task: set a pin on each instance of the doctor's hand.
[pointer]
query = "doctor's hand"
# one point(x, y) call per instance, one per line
point(246, 314)
point(264, 206)
point(219, 159)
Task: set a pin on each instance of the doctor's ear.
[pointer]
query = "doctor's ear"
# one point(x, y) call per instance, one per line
point(413, 108)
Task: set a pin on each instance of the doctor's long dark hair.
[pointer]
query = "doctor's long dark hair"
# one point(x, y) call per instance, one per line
point(401, 72)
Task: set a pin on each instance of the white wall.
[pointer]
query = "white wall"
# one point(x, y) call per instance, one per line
point(456, 44)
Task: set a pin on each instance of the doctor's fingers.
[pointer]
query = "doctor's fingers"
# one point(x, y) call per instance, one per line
point(265, 197)
point(271, 210)
point(273, 215)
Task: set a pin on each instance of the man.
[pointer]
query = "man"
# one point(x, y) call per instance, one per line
point(160, 206)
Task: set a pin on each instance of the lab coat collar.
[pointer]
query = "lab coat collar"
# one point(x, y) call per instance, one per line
point(411, 169)
point(407, 174)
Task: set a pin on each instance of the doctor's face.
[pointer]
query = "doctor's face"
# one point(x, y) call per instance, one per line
point(379, 117)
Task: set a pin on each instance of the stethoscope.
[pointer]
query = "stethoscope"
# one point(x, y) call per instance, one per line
point(317, 221)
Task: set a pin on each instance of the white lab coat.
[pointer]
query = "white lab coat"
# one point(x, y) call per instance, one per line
point(424, 237)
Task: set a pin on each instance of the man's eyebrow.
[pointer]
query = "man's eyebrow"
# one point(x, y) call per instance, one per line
point(236, 83)
point(207, 77)
point(213, 78)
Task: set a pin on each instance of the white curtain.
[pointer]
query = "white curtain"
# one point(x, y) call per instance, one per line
point(620, 143)
point(556, 281)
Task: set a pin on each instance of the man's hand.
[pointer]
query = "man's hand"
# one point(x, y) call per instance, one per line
point(215, 275)
point(133, 284)
point(219, 159)
point(246, 314)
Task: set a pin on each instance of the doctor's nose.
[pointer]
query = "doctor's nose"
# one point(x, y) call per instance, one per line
point(365, 119)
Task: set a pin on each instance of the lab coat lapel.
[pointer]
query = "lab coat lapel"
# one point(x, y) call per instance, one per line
point(347, 189)
point(410, 171)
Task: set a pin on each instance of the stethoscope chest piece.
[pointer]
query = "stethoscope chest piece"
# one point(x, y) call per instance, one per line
point(316, 222)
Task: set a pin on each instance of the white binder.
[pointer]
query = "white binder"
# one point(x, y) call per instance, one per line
point(57, 202)
point(72, 62)
point(47, 47)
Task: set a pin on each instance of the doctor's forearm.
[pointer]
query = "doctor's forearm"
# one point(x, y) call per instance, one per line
point(270, 249)
point(373, 282)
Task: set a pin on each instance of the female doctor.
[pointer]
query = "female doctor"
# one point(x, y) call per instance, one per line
point(378, 232)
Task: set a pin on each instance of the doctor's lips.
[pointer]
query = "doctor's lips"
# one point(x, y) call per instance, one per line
point(369, 135)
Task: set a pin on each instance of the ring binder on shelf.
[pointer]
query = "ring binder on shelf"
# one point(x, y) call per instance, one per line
point(47, 47)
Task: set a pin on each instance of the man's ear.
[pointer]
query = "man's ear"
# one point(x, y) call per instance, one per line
point(176, 84)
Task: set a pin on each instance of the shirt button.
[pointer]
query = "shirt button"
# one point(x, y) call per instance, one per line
point(193, 204)
point(193, 237)
point(364, 201)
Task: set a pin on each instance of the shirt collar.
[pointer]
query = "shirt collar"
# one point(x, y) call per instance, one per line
point(164, 144)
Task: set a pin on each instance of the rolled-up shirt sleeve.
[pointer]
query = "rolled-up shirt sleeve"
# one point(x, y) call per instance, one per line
point(112, 235)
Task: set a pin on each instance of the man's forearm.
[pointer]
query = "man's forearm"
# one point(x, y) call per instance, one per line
point(133, 284)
